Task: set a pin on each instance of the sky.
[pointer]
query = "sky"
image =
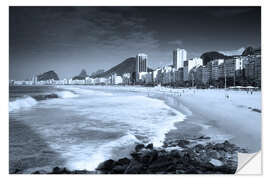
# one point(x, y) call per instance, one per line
point(69, 39)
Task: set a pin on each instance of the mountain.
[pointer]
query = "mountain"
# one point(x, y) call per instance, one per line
point(209, 56)
point(251, 51)
point(47, 76)
point(127, 66)
point(248, 51)
point(81, 76)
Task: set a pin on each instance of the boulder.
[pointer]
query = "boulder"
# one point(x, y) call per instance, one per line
point(139, 147)
point(106, 165)
point(149, 146)
point(134, 167)
point(182, 143)
point(124, 161)
point(216, 162)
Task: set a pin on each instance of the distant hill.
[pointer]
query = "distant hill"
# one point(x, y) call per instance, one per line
point(47, 76)
point(251, 51)
point(209, 56)
point(127, 66)
point(81, 76)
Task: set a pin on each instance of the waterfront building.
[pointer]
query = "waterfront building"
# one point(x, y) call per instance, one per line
point(179, 56)
point(126, 78)
point(216, 69)
point(89, 80)
point(155, 75)
point(233, 65)
point(205, 75)
point(179, 76)
point(115, 79)
point(168, 77)
point(141, 63)
point(253, 70)
point(34, 80)
point(190, 64)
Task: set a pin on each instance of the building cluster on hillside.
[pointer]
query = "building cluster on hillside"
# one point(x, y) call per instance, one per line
point(232, 71)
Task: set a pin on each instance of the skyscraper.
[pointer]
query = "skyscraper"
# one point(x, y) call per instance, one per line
point(141, 63)
point(179, 56)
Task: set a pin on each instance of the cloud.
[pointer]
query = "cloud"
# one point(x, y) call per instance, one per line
point(233, 52)
point(176, 42)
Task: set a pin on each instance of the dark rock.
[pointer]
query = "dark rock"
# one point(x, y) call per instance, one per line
point(149, 146)
point(198, 148)
point(106, 165)
point(134, 167)
point(119, 169)
point(161, 164)
point(182, 143)
point(124, 161)
point(139, 147)
point(17, 171)
point(204, 137)
point(56, 170)
point(44, 97)
point(180, 171)
point(175, 153)
point(212, 154)
point(219, 158)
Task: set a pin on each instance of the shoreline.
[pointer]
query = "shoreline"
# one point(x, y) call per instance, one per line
point(190, 129)
point(234, 119)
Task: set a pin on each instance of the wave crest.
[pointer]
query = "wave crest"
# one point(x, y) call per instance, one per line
point(66, 94)
point(25, 102)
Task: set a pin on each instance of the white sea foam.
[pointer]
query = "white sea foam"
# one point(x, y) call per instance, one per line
point(22, 103)
point(89, 129)
point(103, 152)
point(66, 94)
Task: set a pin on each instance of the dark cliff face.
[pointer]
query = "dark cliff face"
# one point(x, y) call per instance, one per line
point(127, 66)
point(47, 76)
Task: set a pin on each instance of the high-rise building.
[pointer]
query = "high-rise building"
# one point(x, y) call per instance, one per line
point(189, 64)
point(34, 80)
point(141, 63)
point(179, 56)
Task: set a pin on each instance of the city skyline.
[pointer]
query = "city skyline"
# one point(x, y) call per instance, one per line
point(68, 39)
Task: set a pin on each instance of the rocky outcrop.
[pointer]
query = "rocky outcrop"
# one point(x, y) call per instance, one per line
point(45, 97)
point(81, 76)
point(180, 156)
point(47, 76)
point(186, 158)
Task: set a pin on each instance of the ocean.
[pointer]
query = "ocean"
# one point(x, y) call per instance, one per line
point(79, 127)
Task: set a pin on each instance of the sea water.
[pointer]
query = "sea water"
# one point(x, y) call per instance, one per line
point(82, 127)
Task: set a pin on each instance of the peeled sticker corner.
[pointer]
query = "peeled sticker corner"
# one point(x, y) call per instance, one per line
point(249, 164)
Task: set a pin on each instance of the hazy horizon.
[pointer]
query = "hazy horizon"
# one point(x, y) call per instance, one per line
point(68, 39)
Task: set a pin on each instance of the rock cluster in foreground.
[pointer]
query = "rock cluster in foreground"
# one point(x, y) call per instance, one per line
point(175, 157)
point(220, 158)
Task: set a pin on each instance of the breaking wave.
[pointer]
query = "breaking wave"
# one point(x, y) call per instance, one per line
point(113, 150)
point(66, 94)
point(24, 102)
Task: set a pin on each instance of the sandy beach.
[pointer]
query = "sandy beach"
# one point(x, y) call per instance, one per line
point(210, 113)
